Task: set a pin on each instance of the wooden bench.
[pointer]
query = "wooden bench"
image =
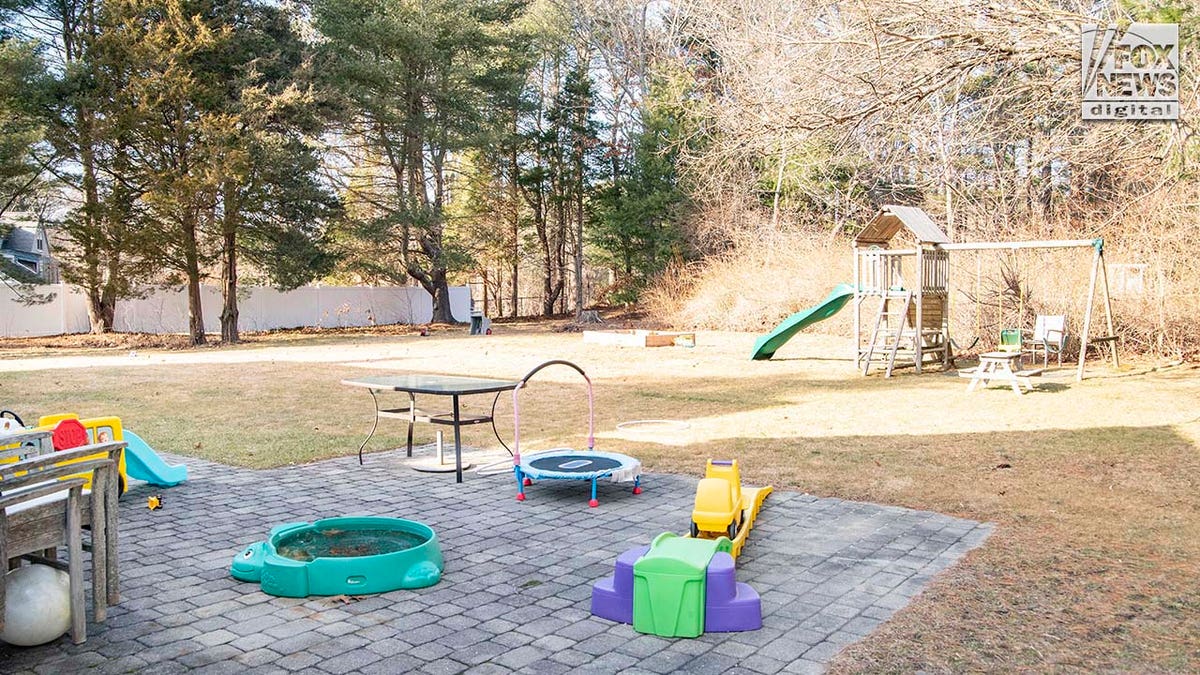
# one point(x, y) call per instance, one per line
point(32, 523)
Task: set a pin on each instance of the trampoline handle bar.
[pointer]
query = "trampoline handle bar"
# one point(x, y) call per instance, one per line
point(517, 407)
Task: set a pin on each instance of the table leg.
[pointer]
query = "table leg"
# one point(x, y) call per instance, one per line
point(412, 418)
point(1012, 378)
point(457, 444)
point(980, 371)
point(374, 425)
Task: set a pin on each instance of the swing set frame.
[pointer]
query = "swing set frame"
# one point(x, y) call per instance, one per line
point(1098, 277)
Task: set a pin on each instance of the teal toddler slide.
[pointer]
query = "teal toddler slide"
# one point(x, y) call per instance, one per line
point(765, 346)
point(143, 463)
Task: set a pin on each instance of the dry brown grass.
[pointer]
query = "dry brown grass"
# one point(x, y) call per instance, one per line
point(1094, 487)
point(752, 286)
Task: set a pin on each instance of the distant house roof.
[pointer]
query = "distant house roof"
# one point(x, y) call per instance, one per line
point(22, 238)
point(28, 244)
point(891, 218)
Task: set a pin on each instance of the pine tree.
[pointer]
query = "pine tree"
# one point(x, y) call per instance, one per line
point(417, 77)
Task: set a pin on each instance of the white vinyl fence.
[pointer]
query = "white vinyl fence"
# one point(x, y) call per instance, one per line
point(165, 310)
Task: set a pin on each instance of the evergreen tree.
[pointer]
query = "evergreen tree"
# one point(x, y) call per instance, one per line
point(90, 150)
point(21, 75)
point(636, 217)
point(272, 206)
point(556, 171)
point(416, 77)
point(217, 117)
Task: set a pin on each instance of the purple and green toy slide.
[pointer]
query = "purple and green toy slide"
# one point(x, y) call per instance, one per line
point(766, 346)
point(678, 587)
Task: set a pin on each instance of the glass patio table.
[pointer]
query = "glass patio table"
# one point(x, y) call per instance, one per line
point(454, 386)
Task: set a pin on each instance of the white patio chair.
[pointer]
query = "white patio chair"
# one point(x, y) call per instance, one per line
point(1049, 337)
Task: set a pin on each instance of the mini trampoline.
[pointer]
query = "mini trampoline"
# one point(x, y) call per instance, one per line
point(566, 463)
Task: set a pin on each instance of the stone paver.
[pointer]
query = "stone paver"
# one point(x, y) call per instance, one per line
point(516, 591)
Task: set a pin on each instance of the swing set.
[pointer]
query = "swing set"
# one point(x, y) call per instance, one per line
point(913, 320)
point(1010, 338)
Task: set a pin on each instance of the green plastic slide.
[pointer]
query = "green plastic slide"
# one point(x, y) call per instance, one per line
point(765, 346)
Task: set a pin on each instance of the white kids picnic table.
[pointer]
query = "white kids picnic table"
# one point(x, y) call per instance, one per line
point(999, 366)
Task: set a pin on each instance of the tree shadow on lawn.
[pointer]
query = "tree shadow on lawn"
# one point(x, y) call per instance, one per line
point(270, 414)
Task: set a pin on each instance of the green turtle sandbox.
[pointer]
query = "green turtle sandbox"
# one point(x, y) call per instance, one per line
point(354, 555)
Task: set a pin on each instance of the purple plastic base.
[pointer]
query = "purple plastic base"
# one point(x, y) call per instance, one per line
point(729, 606)
point(612, 598)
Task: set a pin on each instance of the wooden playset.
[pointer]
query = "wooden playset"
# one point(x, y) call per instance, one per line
point(910, 288)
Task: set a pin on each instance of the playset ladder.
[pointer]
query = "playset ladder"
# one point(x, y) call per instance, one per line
point(883, 328)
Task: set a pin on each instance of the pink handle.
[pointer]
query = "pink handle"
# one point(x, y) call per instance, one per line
point(517, 408)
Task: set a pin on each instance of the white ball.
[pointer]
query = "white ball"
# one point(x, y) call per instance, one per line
point(37, 605)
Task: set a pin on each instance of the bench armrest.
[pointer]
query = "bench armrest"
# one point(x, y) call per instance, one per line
point(52, 465)
point(37, 491)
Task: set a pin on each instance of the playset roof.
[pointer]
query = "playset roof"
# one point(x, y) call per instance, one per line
point(891, 218)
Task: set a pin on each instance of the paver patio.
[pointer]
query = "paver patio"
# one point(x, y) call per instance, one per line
point(516, 590)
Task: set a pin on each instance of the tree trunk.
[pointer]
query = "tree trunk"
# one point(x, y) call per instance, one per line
point(549, 297)
point(229, 273)
point(1046, 197)
point(497, 291)
point(579, 232)
point(101, 310)
point(109, 292)
point(191, 254)
point(560, 256)
point(543, 234)
point(514, 186)
point(557, 242)
point(441, 296)
point(195, 315)
point(581, 113)
point(100, 316)
point(101, 295)
point(514, 291)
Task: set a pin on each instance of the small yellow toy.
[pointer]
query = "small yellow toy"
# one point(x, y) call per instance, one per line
point(154, 502)
point(724, 508)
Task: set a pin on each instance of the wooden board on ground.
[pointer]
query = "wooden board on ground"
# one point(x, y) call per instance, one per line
point(639, 338)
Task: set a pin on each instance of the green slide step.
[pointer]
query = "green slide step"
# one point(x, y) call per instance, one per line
point(669, 585)
point(765, 346)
